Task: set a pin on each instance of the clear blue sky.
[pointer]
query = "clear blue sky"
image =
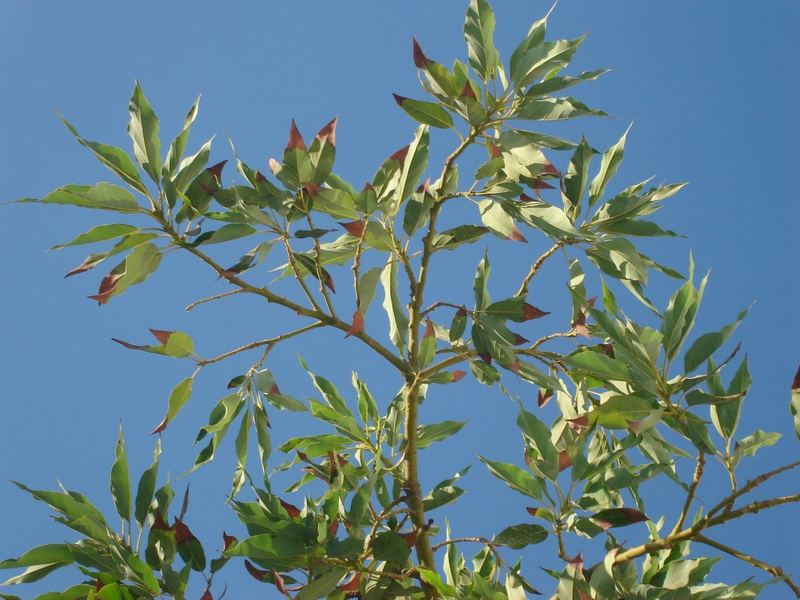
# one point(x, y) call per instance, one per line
point(711, 88)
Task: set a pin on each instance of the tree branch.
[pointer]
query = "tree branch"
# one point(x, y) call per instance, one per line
point(698, 474)
point(258, 344)
point(523, 287)
point(196, 303)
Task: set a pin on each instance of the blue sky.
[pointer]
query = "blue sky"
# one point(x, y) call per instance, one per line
point(711, 93)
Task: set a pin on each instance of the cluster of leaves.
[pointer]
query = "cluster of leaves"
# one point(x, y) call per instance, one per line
point(626, 411)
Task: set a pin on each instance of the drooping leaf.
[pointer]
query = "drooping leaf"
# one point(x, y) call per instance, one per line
point(101, 233)
point(398, 320)
point(101, 196)
point(538, 436)
point(515, 477)
point(618, 517)
point(437, 432)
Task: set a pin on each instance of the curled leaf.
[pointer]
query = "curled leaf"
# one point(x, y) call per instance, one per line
point(357, 326)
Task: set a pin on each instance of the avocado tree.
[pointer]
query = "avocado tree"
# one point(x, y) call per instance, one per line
point(634, 399)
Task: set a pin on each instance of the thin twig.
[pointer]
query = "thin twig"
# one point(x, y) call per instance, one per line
point(439, 304)
point(773, 570)
point(212, 298)
point(258, 344)
point(318, 255)
point(751, 484)
point(523, 287)
point(297, 275)
point(698, 474)
point(459, 540)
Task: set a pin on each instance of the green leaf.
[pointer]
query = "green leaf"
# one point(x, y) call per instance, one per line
point(749, 445)
point(618, 517)
point(599, 365)
point(436, 432)
point(609, 164)
point(191, 167)
point(178, 145)
point(147, 487)
point(427, 113)
point(42, 555)
point(116, 159)
point(515, 477)
point(101, 233)
point(179, 345)
point(542, 59)
point(479, 285)
point(555, 109)
point(450, 239)
point(479, 34)
point(102, 196)
point(367, 284)
point(519, 536)
point(179, 396)
point(538, 436)
point(144, 132)
point(391, 547)
point(414, 165)
point(576, 177)
point(120, 480)
point(367, 407)
point(499, 221)
point(458, 325)
point(680, 314)
point(398, 320)
point(708, 343)
point(435, 581)
point(726, 416)
point(33, 573)
point(618, 412)
point(226, 233)
point(322, 585)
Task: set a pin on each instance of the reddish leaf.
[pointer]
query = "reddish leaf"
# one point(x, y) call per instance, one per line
point(295, 139)
point(796, 382)
point(328, 281)
point(519, 340)
point(354, 228)
point(161, 426)
point(293, 511)
point(260, 177)
point(228, 540)
point(400, 155)
point(399, 99)
point(564, 461)
point(516, 235)
point(280, 584)
point(312, 189)
point(420, 60)
point(543, 397)
point(539, 184)
point(161, 335)
point(275, 389)
point(551, 170)
point(273, 165)
point(530, 312)
point(527, 458)
point(608, 349)
point(185, 504)
point(532, 511)
point(216, 170)
point(128, 345)
point(618, 517)
point(577, 561)
point(357, 326)
point(495, 151)
point(98, 585)
point(468, 92)
point(410, 538)
point(258, 574)
point(429, 330)
point(513, 366)
point(107, 286)
point(458, 374)
point(579, 423)
point(461, 312)
point(328, 132)
point(207, 595)
point(333, 528)
point(351, 585)
point(182, 532)
point(159, 524)
point(89, 263)
point(485, 357)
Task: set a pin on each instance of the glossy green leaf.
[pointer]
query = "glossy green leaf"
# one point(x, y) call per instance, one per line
point(226, 233)
point(437, 432)
point(102, 196)
point(178, 145)
point(609, 164)
point(451, 239)
point(144, 132)
point(367, 285)
point(618, 412)
point(541, 59)
point(538, 436)
point(725, 416)
point(576, 178)
point(179, 397)
point(179, 345)
point(101, 233)
point(480, 284)
point(515, 477)
point(479, 34)
point(191, 167)
point(708, 343)
point(414, 165)
point(147, 487)
point(519, 536)
point(116, 159)
point(555, 109)
point(599, 365)
point(499, 221)
point(427, 113)
point(322, 585)
point(120, 480)
point(749, 445)
point(398, 319)
point(391, 547)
